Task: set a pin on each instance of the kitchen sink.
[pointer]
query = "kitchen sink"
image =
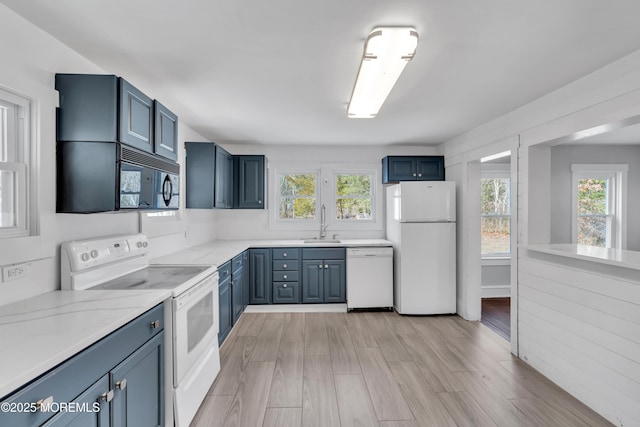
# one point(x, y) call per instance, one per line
point(321, 241)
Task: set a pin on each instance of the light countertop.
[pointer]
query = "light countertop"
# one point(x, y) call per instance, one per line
point(41, 332)
point(615, 257)
point(218, 252)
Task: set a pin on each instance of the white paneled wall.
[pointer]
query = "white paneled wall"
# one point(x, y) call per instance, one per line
point(581, 328)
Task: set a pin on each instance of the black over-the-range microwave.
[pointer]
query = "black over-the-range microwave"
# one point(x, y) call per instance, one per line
point(109, 176)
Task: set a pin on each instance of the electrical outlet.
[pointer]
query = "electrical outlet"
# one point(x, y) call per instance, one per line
point(16, 271)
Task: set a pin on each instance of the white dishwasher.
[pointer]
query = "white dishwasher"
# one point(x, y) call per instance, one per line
point(370, 277)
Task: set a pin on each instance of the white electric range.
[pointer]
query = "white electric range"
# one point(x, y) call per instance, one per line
point(191, 334)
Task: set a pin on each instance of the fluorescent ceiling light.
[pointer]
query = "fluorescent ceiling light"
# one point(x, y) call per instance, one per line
point(495, 156)
point(386, 52)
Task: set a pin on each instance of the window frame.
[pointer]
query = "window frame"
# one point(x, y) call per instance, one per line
point(16, 147)
point(616, 200)
point(498, 171)
point(334, 191)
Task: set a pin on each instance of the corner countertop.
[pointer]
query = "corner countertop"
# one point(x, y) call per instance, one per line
point(41, 332)
point(615, 257)
point(217, 252)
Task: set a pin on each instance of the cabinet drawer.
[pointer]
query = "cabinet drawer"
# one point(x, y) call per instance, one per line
point(224, 271)
point(323, 253)
point(237, 262)
point(283, 276)
point(285, 292)
point(285, 265)
point(285, 253)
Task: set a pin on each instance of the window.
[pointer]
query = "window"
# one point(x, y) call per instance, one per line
point(297, 196)
point(598, 197)
point(496, 214)
point(13, 169)
point(354, 196)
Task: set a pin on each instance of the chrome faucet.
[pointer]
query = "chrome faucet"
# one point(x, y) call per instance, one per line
point(323, 222)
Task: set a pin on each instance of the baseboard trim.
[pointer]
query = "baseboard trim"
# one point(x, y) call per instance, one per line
point(297, 308)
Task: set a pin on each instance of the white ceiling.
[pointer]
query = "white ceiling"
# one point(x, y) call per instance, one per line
point(282, 71)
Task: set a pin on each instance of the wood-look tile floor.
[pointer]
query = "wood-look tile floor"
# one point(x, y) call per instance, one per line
point(379, 369)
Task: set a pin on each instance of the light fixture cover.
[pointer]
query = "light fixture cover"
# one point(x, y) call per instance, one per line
point(386, 52)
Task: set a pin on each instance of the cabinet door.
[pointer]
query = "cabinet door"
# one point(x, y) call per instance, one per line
point(224, 179)
point(335, 281)
point(225, 309)
point(260, 272)
point(401, 168)
point(95, 408)
point(249, 182)
point(246, 282)
point(430, 168)
point(312, 282)
point(138, 384)
point(166, 132)
point(136, 117)
point(236, 293)
point(200, 174)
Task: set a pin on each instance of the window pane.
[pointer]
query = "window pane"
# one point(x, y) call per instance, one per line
point(592, 196)
point(349, 208)
point(7, 199)
point(353, 185)
point(592, 230)
point(496, 197)
point(298, 185)
point(495, 235)
point(297, 208)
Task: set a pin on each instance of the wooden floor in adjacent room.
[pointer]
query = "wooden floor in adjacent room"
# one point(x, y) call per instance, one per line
point(379, 369)
point(496, 315)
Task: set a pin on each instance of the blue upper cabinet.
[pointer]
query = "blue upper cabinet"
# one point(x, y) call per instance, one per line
point(412, 168)
point(224, 179)
point(249, 182)
point(107, 108)
point(166, 132)
point(136, 117)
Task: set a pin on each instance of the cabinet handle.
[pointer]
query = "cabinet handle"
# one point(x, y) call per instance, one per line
point(121, 385)
point(107, 397)
point(284, 254)
point(284, 265)
point(284, 286)
point(259, 202)
point(320, 266)
point(326, 266)
point(155, 324)
point(419, 174)
point(284, 276)
point(414, 174)
point(47, 401)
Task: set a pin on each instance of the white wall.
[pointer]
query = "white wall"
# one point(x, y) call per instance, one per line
point(562, 156)
point(30, 59)
point(254, 224)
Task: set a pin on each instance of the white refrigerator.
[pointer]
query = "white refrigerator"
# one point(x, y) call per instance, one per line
point(421, 223)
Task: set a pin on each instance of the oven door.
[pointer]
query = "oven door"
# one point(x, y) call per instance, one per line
point(195, 325)
point(142, 187)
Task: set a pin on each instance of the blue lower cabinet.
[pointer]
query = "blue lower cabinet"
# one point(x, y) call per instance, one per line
point(312, 282)
point(138, 386)
point(226, 309)
point(285, 293)
point(123, 373)
point(91, 408)
point(260, 276)
point(335, 279)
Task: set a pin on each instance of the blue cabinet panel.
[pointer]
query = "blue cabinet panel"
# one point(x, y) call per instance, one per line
point(335, 279)
point(286, 293)
point(260, 272)
point(200, 175)
point(166, 132)
point(224, 179)
point(96, 413)
point(285, 265)
point(249, 182)
point(246, 280)
point(312, 282)
point(136, 117)
point(138, 384)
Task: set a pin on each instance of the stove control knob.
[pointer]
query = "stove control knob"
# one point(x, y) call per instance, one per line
point(145, 244)
point(85, 256)
point(94, 254)
point(139, 244)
